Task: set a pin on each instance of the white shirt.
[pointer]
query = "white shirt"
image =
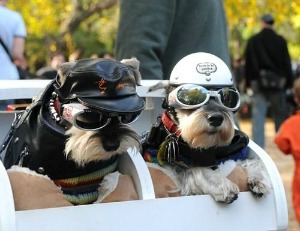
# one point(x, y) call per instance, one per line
point(11, 25)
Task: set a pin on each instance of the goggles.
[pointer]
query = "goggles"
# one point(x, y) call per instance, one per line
point(191, 96)
point(85, 118)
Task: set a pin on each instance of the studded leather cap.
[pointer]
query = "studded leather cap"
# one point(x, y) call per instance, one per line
point(101, 84)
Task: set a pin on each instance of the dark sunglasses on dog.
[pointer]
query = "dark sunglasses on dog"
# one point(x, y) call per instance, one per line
point(86, 118)
point(192, 96)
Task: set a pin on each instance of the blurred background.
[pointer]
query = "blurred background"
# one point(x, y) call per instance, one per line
point(86, 28)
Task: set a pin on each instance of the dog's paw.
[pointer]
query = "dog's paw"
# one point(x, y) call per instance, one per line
point(258, 180)
point(199, 181)
point(227, 192)
point(219, 187)
point(259, 187)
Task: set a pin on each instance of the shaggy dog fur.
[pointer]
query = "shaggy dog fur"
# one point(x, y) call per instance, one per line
point(85, 148)
point(204, 127)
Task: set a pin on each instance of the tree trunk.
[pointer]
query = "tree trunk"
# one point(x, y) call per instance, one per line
point(78, 15)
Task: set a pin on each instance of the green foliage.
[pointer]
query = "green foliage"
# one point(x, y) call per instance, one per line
point(43, 19)
point(244, 19)
point(96, 32)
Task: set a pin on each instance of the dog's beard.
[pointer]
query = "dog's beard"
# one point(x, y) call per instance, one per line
point(198, 133)
point(86, 146)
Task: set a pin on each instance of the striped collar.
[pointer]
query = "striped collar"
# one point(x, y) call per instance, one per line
point(84, 189)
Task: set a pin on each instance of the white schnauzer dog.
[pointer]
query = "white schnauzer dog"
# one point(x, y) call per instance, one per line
point(195, 138)
point(75, 130)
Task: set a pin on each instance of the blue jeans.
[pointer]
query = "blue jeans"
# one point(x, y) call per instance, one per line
point(261, 100)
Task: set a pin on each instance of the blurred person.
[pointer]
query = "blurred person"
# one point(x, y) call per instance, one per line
point(12, 34)
point(50, 72)
point(159, 33)
point(76, 55)
point(266, 55)
point(288, 141)
point(104, 55)
point(238, 69)
point(297, 69)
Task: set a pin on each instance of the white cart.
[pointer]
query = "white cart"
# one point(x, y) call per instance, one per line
point(147, 214)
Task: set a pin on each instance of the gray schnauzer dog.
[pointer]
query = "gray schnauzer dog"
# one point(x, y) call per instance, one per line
point(195, 139)
point(76, 129)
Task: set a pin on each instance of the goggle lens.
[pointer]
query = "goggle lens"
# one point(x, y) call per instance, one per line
point(128, 118)
point(190, 96)
point(229, 97)
point(89, 119)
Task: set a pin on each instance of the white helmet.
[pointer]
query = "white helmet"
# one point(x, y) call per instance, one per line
point(202, 69)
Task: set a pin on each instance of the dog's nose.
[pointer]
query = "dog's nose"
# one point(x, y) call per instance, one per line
point(215, 119)
point(110, 146)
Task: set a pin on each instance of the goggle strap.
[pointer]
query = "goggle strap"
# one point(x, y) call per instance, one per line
point(66, 124)
point(165, 104)
point(171, 111)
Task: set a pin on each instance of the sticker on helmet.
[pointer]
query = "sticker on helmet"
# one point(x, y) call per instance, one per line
point(206, 68)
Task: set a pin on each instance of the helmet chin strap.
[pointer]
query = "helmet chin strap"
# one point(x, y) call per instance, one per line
point(170, 124)
point(170, 112)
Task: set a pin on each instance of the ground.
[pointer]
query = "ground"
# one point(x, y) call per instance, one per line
point(285, 165)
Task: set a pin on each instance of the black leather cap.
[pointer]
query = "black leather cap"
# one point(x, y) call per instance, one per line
point(101, 84)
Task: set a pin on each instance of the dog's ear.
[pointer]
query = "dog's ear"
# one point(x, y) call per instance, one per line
point(135, 65)
point(160, 85)
point(63, 71)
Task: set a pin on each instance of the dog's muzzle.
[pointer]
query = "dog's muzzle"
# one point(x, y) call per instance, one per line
point(215, 119)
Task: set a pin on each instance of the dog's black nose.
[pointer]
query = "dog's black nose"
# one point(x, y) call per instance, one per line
point(215, 119)
point(111, 145)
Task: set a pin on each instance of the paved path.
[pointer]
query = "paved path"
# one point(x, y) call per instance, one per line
point(285, 165)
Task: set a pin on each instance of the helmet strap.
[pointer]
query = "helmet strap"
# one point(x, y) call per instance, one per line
point(170, 124)
point(170, 110)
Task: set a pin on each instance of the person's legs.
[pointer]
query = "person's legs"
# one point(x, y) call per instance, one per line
point(259, 110)
point(279, 108)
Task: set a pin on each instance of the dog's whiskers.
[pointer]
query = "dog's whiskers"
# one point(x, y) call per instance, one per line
point(87, 146)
